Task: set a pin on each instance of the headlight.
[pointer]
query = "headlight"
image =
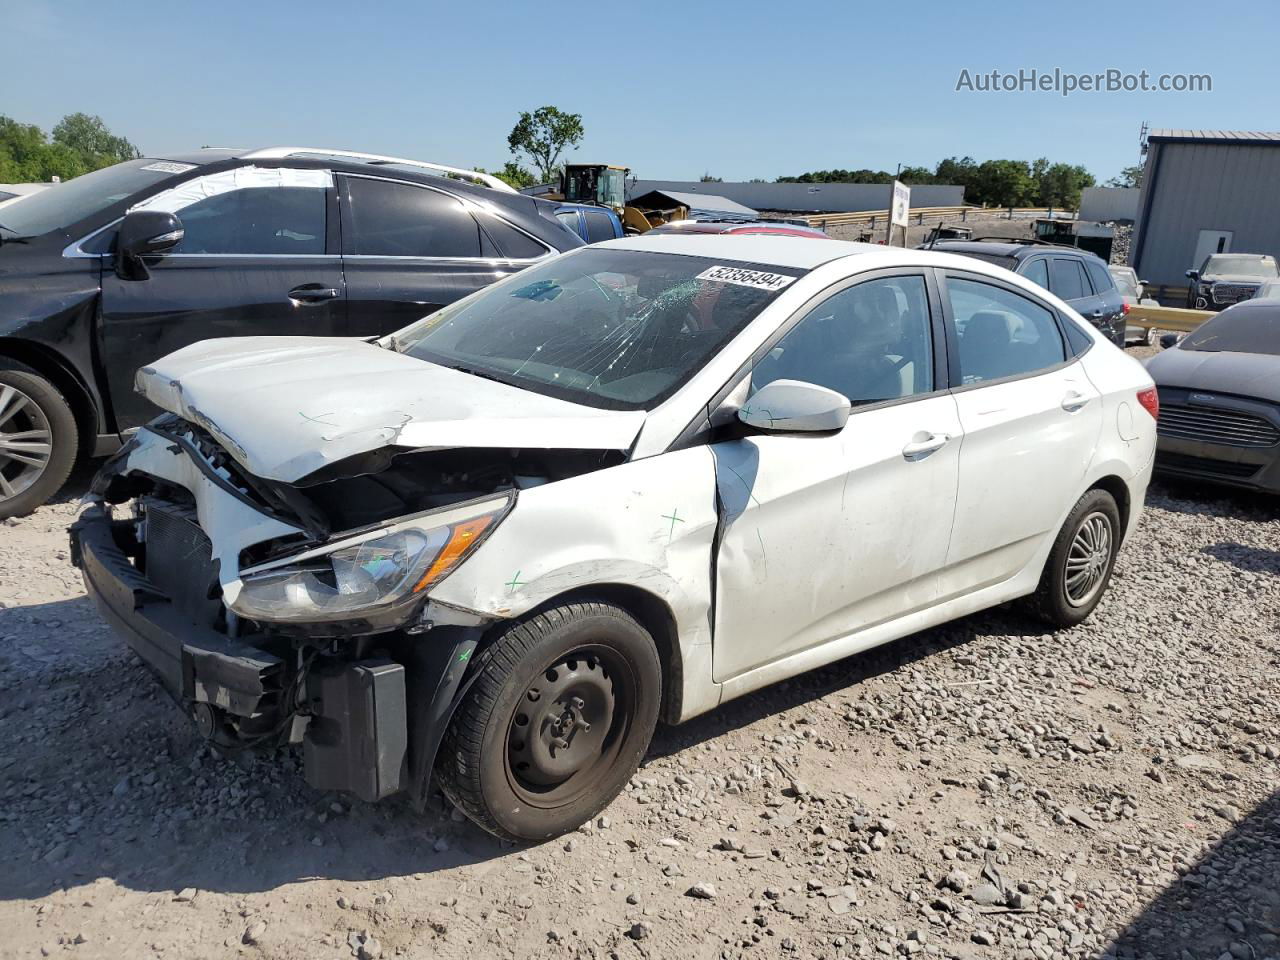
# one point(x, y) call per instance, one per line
point(378, 569)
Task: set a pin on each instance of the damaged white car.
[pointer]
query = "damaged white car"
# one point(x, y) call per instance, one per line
point(492, 550)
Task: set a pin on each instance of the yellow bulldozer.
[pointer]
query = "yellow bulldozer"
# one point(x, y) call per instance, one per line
point(604, 185)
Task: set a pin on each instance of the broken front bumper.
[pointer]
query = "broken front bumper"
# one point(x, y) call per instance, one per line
point(373, 721)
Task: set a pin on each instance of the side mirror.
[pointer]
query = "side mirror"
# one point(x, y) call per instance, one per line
point(791, 406)
point(1193, 274)
point(144, 233)
point(1168, 340)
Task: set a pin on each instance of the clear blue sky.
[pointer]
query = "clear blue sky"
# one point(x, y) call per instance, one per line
point(741, 89)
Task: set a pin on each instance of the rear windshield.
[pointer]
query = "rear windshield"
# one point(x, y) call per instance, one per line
point(1251, 330)
point(60, 206)
point(1009, 263)
point(1243, 266)
point(618, 329)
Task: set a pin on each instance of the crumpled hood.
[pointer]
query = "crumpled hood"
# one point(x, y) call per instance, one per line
point(286, 407)
point(1242, 374)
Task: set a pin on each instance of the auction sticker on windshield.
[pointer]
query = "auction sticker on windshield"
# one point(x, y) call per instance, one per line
point(746, 278)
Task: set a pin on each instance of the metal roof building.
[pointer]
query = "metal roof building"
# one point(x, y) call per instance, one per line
point(702, 206)
point(806, 197)
point(1205, 192)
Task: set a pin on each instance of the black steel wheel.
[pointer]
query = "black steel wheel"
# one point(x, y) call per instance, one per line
point(556, 722)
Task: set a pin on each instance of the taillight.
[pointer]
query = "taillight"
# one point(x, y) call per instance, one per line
point(1150, 401)
point(1124, 308)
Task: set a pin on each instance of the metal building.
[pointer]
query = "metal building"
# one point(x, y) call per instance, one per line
point(1204, 192)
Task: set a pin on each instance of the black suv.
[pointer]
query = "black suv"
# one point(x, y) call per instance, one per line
point(1076, 276)
point(119, 267)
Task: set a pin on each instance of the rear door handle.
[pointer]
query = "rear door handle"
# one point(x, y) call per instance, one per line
point(920, 449)
point(312, 293)
point(1074, 401)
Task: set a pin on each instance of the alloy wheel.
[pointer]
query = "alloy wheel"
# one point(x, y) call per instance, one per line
point(26, 441)
point(1088, 559)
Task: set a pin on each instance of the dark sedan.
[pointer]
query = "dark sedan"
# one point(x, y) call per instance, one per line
point(1220, 399)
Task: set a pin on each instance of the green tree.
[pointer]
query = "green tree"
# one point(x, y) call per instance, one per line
point(1127, 177)
point(543, 135)
point(916, 175)
point(708, 178)
point(512, 173)
point(88, 137)
point(1060, 185)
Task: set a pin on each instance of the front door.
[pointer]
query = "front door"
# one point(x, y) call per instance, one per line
point(1031, 420)
point(823, 535)
point(253, 261)
point(410, 249)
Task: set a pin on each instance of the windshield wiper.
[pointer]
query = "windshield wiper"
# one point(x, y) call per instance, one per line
point(482, 374)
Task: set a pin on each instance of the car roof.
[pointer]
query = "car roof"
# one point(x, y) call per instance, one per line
point(1012, 248)
point(772, 249)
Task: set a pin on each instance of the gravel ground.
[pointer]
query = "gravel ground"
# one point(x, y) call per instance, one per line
point(979, 790)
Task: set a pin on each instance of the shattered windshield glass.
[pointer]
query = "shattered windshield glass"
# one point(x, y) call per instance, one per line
point(619, 329)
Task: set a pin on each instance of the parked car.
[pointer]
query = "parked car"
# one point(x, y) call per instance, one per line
point(1269, 290)
point(592, 223)
point(1076, 276)
point(1220, 399)
point(116, 268)
point(1227, 278)
point(1131, 289)
point(736, 227)
point(633, 482)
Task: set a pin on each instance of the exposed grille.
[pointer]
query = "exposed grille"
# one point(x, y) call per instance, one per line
point(1222, 468)
point(180, 560)
point(1233, 292)
point(1216, 425)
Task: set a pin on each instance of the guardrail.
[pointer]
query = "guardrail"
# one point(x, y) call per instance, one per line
point(1167, 318)
point(919, 214)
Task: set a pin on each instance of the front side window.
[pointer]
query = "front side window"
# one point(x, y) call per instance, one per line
point(870, 342)
point(390, 219)
point(270, 220)
point(618, 329)
point(1067, 279)
point(1000, 333)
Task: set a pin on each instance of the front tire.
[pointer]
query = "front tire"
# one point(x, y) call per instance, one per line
point(1081, 561)
point(38, 440)
point(555, 724)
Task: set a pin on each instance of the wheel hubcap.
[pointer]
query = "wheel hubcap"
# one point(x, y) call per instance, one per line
point(569, 726)
point(1088, 559)
point(26, 442)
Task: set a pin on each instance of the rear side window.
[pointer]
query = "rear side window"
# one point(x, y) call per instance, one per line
point(1037, 271)
point(261, 220)
point(512, 242)
point(391, 219)
point(1102, 281)
point(1067, 279)
point(1000, 333)
point(599, 226)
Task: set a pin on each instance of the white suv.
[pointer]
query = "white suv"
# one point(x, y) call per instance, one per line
point(631, 482)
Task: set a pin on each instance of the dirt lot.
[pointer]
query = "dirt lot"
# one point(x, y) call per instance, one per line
point(980, 790)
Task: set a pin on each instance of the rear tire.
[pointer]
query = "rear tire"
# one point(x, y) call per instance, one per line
point(1081, 562)
point(555, 724)
point(38, 440)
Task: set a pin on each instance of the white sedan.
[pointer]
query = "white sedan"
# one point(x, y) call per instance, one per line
point(629, 483)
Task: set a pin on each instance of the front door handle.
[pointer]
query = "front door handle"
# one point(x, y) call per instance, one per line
point(312, 293)
point(919, 449)
point(1074, 401)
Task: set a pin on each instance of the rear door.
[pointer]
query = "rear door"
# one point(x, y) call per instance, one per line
point(1110, 302)
point(259, 257)
point(410, 249)
point(1031, 420)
